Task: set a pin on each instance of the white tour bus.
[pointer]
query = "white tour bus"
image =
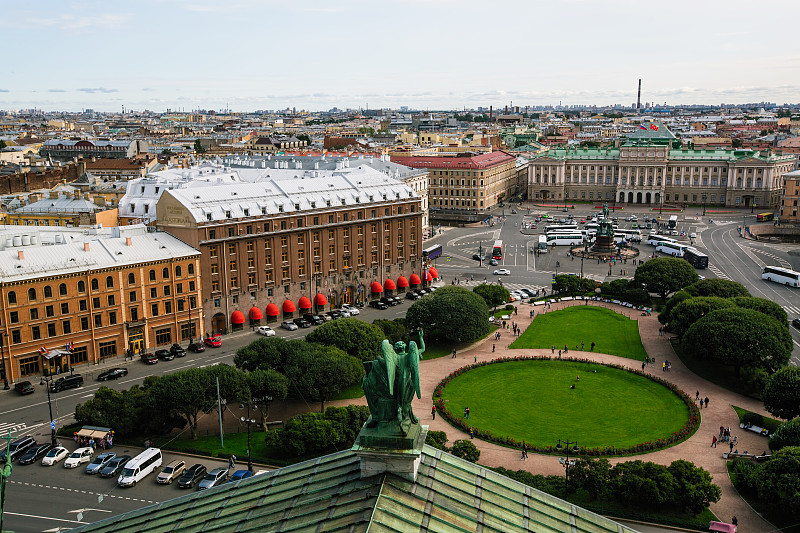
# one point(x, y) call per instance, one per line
point(542, 244)
point(653, 240)
point(592, 227)
point(560, 227)
point(790, 278)
point(671, 248)
point(571, 239)
point(632, 235)
point(139, 467)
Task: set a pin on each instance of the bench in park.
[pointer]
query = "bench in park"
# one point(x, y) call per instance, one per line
point(737, 455)
point(755, 429)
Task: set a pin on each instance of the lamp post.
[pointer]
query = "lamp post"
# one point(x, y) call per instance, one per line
point(2, 354)
point(480, 254)
point(48, 379)
point(249, 422)
point(704, 204)
point(565, 445)
point(753, 205)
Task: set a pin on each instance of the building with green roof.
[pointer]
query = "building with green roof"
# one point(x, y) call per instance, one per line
point(648, 168)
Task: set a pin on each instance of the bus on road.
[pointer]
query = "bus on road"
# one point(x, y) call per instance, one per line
point(560, 227)
point(696, 258)
point(653, 240)
point(673, 222)
point(570, 239)
point(497, 250)
point(541, 246)
point(790, 278)
point(429, 254)
point(765, 217)
point(671, 248)
point(630, 235)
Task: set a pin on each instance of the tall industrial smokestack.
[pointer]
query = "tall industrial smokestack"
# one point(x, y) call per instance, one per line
point(490, 114)
point(639, 97)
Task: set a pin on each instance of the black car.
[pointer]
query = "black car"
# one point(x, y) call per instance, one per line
point(17, 448)
point(114, 373)
point(149, 358)
point(314, 319)
point(164, 355)
point(411, 295)
point(35, 453)
point(197, 347)
point(115, 466)
point(177, 350)
point(191, 476)
point(476, 257)
point(377, 304)
point(388, 301)
point(397, 299)
point(24, 387)
point(302, 322)
point(796, 323)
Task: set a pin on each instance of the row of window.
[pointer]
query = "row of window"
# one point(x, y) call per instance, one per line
point(299, 222)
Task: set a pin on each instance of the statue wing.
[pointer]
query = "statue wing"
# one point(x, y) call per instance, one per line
point(392, 360)
point(413, 366)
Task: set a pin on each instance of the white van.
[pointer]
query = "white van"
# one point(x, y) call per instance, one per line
point(139, 467)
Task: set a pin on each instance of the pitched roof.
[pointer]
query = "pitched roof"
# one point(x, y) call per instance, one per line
point(481, 161)
point(329, 494)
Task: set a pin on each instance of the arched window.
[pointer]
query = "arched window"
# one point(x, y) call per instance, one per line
point(131, 279)
point(758, 183)
point(48, 291)
point(739, 183)
point(191, 269)
point(81, 286)
point(152, 275)
point(178, 271)
point(95, 284)
point(749, 182)
point(62, 289)
point(31, 294)
point(109, 282)
point(12, 297)
point(165, 273)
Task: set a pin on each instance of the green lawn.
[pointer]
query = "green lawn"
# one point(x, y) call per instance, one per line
point(612, 333)
point(532, 400)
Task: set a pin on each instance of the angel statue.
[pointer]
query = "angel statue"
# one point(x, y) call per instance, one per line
point(390, 383)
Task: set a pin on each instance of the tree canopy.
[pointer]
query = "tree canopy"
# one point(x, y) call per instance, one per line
point(492, 294)
point(666, 313)
point(740, 337)
point(354, 337)
point(691, 310)
point(787, 434)
point(717, 287)
point(265, 387)
point(317, 373)
point(782, 393)
point(395, 330)
point(574, 285)
point(762, 305)
point(778, 481)
point(665, 275)
point(452, 314)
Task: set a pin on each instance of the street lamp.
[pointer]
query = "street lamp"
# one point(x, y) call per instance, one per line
point(565, 445)
point(2, 354)
point(704, 205)
point(753, 205)
point(249, 422)
point(48, 379)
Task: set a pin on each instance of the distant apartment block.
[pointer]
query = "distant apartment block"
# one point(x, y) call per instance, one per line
point(789, 209)
point(67, 150)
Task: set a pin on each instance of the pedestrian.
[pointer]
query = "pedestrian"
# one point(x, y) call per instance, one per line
point(553, 349)
point(524, 451)
point(714, 441)
point(566, 350)
point(706, 402)
point(697, 395)
point(466, 412)
point(476, 358)
point(454, 353)
point(734, 521)
point(471, 433)
point(559, 354)
point(515, 311)
point(75, 437)
point(433, 411)
point(493, 348)
point(504, 324)
point(731, 445)
point(592, 349)
point(230, 462)
point(642, 366)
point(581, 347)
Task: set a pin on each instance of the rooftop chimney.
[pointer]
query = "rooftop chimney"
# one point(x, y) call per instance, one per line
point(20, 255)
point(128, 241)
point(86, 247)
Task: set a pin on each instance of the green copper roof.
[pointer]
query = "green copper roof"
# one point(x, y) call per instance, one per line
point(329, 494)
point(684, 154)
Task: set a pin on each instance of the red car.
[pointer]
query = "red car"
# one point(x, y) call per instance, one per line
point(149, 358)
point(214, 342)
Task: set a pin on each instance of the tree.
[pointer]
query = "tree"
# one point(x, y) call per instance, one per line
point(437, 439)
point(318, 373)
point(690, 311)
point(787, 434)
point(451, 314)
point(722, 288)
point(304, 137)
point(666, 313)
point(186, 393)
point(778, 481)
point(642, 483)
point(198, 147)
point(762, 305)
point(740, 337)
point(466, 450)
point(304, 433)
point(665, 275)
point(354, 337)
point(782, 393)
point(694, 491)
point(394, 330)
point(493, 295)
point(232, 384)
point(574, 285)
point(590, 475)
point(264, 353)
point(264, 387)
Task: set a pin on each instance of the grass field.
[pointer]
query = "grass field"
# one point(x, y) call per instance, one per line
point(612, 333)
point(532, 400)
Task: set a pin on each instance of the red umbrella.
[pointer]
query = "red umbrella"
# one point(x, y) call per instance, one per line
point(288, 307)
point(237, 318)
point(255, 313)
point(402, 282)
point(376, 287)
point(272, 310)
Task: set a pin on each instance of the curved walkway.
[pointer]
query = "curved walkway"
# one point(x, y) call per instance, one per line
point(696, 449)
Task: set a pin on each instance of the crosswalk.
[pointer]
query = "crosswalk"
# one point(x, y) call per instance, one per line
point(792, 310)
point(14, 427)
point(775, 259)
point(516, 286)
point(717, 272)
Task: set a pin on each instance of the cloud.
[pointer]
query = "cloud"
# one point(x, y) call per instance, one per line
point(147, 89)
point(93, 90)
point(56, 90)
point(4, 90)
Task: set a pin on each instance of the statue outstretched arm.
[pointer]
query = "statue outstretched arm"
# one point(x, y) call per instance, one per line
point(421, 344)
point(392, 361)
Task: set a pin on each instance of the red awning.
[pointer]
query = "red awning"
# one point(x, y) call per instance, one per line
point(376, 287)
point(320, 299)
point(428, 277)
point(304, 303)
point(402, 282)
point(288, 307)
point(433, 272)
point(414, 279)
point(255, 313)
point(272, 310)
point(237, 318)
point(389, 285)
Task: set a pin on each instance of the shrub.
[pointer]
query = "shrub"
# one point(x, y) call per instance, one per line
point(437, 439)
point(787, 434)
point(466, 450)
point(754, 419)
point(509, 307)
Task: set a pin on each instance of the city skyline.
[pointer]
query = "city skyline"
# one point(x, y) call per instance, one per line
point(248, 55)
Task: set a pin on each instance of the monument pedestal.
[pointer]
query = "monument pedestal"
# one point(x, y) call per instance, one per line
point(385, 448)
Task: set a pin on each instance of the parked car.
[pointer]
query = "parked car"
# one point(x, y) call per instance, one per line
point(214, 342)
point(493, 262)
point(171, 472)
point(411, 295)
point(344, 312)
point(114, 467)
point(197, 347)
point(325, 317)
point(502, 272)
point(35, 453)
point(266, 331)
point(693, 235)
point(288, 324)
point(334, 314)
point(240, 475)
point(78, 457)
point(54, 456)
point(149, 358)
point(527, 292)
point(114, 373)
point(302, 322)
point(218, 476)
point(100, 462)
point(24, 387)
point(377, 304)
point(388, 301)
point(17, 448)
point(67, 382)
point(192, 475)
point(796, 323)
point(351, 309)
point(315, 320)
point(177, 350)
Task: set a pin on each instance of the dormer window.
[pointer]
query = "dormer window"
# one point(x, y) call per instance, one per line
point(313, 205)
point(297, 207)
point(280, 209)
point(247, 212)
point(227, 214)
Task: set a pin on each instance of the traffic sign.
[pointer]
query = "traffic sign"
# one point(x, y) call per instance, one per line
point(53, 424)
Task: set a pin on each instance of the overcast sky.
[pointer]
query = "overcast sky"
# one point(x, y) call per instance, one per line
point(429, 54)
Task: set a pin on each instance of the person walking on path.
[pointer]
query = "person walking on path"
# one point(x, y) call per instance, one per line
point(524, 451)
point(493, 346)
point(553, 349)
point(454, 353)
point(592, 348)
point(433, 412)
point(706, 400)
point(714, 441)
point(697, 395)
point(581, 346)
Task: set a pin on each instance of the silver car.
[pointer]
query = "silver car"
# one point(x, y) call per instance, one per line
point(218, 476)
point(99, 462)
point(288, 324)
point(171, 472)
